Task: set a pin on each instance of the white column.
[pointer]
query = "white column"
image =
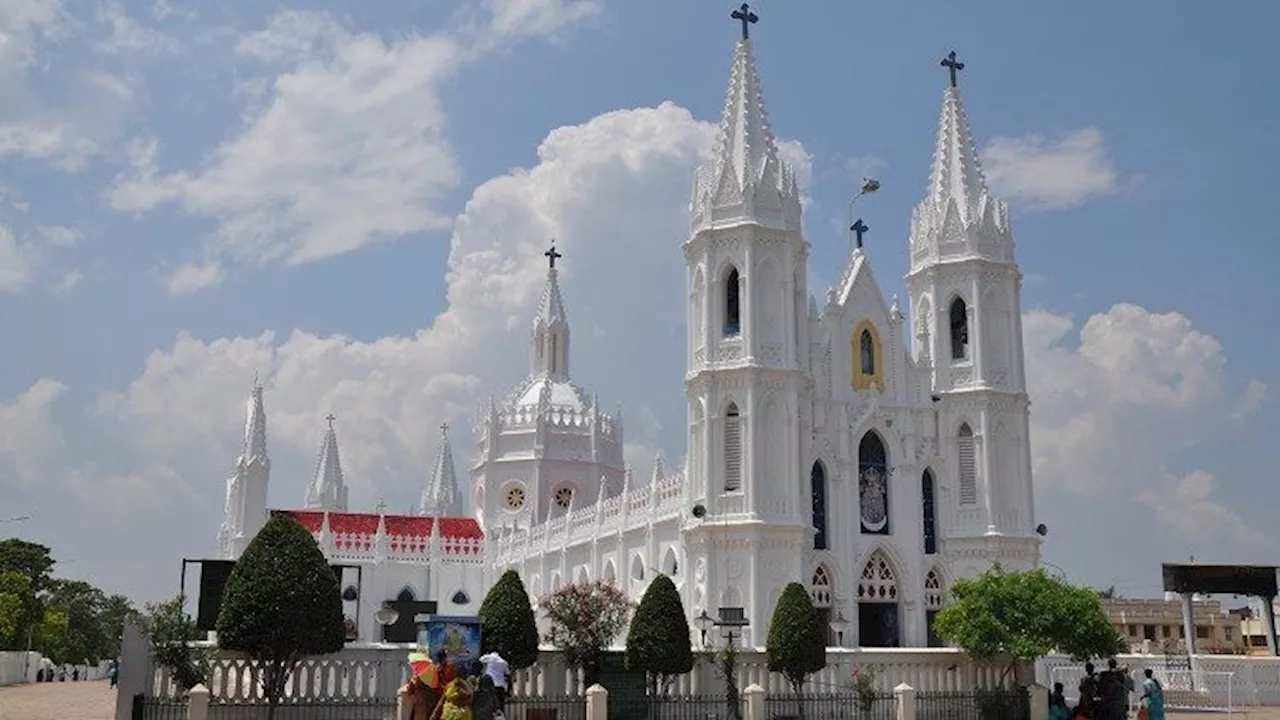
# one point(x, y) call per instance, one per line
point(1269, 624)
point(1189, 623)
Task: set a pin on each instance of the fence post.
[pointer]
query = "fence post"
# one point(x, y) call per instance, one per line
point(198, 703)
point(1039, 700)
point(755, 702)
point(905, 697)
point(597, 703)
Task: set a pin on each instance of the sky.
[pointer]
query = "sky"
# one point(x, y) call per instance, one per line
point(353, 203)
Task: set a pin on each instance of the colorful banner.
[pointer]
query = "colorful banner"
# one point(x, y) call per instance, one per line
point(459, 636)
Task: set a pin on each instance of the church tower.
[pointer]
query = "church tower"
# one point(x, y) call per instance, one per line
point(246, 505)
point(745, 383)
point(965, 289)
point(442, 498)
point(328, 488)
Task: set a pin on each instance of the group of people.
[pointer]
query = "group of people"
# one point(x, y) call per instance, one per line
point(468, 690)
point(1105, 696)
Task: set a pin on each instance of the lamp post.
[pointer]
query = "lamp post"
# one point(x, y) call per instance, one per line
point(868, 186)
point(17, 519)
point(838, 625)
point(731, 620)
point(386, 616)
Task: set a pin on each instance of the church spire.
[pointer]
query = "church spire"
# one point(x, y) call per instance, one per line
point(328, 489)
point(745, 181)
point(957, 172)
point(442, 497)
point(550, 351)
point(255, 429)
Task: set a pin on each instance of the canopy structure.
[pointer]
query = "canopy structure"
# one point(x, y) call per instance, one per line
point(1191, 578)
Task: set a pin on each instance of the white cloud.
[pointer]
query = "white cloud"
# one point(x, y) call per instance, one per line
point(16, 266)
point(1254, 397)
point(192, 277)
point(29, 437)
point(1111, 413)
point(59, 234)
point(127, 36)
point(68, 282)
point(59, 143)
point(346, 147)
point(1053, 174)
point(1185, 506)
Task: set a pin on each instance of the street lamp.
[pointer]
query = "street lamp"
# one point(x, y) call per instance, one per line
point(19, 518)
point(839, 624)
point(868, 186)
point(730, 621)
point(386, 616)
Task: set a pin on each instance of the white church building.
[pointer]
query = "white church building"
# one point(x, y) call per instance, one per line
point(872, 454)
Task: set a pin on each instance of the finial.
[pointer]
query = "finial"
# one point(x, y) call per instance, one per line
point(950, 63)
point(330, 417)
point(746, 17)
point(444, 428)
point(552, 255)
point(381, 507)
point(858, 228)
point(257, 383)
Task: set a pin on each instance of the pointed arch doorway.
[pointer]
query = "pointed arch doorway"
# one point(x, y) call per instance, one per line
point(878, 614)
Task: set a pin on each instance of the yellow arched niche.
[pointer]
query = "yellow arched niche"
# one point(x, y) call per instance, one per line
point(868, 372)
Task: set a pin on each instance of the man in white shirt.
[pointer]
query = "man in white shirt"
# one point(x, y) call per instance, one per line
point(497, 669)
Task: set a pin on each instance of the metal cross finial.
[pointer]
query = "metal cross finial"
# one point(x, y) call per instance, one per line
point(950, 63)
point(330, 418)
point(748, 18)
point(552, 255)
point(444, 428)
point(858, 228)
point(381, 507)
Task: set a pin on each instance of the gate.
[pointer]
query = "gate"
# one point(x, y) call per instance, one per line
point(628, 699)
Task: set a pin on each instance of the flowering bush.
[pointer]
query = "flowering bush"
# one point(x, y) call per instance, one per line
point(863, 682)
point(585, 619)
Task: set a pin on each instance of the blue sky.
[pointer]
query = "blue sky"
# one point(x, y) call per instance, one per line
point(190, 194)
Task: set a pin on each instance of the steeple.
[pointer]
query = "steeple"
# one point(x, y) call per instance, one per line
point(255, 428)
point(745, 181)
point(328, 489)
point(442, 497)
point(550, 347)
point(959, 217)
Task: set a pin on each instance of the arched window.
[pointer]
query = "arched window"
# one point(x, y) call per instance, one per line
point(732, 304)
point(878, 603)
point(818, 479)
point(967, 465)
point(929, 513)
point(932, 604)
point(637, 568)
point(959, 330)
point(670, 567)
point(867, 352)
point(460, 598)
point(732, 449)
point(406, 595)
point(873, 484)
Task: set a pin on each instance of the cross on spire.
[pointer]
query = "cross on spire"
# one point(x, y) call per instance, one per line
point(746, 17)
point(950, 63)
point(858, 228)
point(330, 417)
point(552, 255)
point(444, 428)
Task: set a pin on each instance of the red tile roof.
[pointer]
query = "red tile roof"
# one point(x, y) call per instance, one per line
point(404, 526)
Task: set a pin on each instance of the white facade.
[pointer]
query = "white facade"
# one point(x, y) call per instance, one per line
point(871, 454)
point(842, 447)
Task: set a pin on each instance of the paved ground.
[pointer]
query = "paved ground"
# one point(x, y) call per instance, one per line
point(96, 701)
point(58, 701)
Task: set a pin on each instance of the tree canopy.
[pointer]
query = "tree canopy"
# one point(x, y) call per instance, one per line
point(170, 632)
point(1017, 617)
point(585, 619)
point(797, 643)
point(282, 603)
point(658, 641)
point(510, 627)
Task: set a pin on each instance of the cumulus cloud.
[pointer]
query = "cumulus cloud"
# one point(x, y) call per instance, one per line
point(1113, 410)
point(16, 266)
point(192, 277)
point(29, 437)
point(1254, 397)
point(1057, 173)
point(346, 147)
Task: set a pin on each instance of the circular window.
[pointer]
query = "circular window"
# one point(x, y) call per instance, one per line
point(515, 497)
point(564, 497)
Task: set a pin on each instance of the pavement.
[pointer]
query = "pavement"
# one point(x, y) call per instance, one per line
point(93, 700)
point(97, 701)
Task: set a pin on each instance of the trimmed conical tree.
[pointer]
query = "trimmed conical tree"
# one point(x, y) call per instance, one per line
point(281, 604)
point(658, 641)
point(797, 643)
point(509, 628)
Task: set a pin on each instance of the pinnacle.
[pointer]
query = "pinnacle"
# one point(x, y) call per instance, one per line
point(328, 485)
point(442, 497)
point(957, 171)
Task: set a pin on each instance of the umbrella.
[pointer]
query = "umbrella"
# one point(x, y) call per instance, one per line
point(424, 669)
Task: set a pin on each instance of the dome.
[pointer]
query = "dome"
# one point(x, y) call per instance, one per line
point(563, 394)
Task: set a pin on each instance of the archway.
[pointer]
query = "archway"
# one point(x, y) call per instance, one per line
point(878, 617)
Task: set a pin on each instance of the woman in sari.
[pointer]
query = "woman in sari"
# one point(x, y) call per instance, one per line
point(455, 704)
point(1152, 697)
point(1058, 709)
